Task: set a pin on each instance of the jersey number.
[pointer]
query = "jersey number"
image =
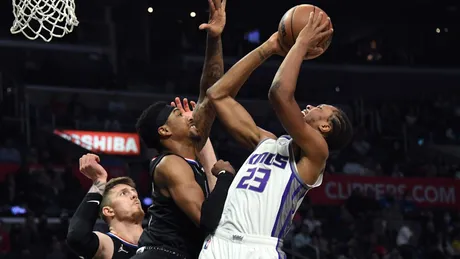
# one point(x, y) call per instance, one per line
point(256, 180)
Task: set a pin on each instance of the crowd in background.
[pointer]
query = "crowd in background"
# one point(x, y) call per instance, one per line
point(373, 70)
point(45, 184)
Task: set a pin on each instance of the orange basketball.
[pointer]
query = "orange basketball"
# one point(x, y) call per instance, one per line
point(293, 21)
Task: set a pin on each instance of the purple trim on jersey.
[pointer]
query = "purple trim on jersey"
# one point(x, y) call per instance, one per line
point(192, 161)
point(283, 200)
point(286, 137)
point(121, 240)
point(293, 168)
point(279, 250)
point(288, 219)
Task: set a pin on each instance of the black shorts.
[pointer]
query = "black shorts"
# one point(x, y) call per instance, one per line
point(158, 252)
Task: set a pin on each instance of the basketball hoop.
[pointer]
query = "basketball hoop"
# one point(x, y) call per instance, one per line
point(43, 18)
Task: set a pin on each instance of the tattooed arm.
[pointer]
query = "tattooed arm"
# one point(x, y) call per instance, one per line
point(213, 69)
point(98, 187)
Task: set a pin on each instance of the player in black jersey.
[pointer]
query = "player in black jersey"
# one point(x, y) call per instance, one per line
point(117, 203)
point(183, 208)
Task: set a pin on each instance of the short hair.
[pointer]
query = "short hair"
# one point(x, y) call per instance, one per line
point(147, 125)
point(109, 186)
point(342, 131)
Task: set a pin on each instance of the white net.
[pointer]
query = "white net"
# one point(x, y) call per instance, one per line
point(44, 18)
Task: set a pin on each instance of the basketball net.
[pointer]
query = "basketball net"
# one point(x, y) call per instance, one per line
point(43, 18)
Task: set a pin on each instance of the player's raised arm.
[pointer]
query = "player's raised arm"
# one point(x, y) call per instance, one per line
point(232, 114)
point(282, 91)
point(177, 176)
point(213, 68)
point(80, 237)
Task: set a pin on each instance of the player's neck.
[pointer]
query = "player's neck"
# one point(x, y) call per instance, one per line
point(184, 149)
point(128, 231)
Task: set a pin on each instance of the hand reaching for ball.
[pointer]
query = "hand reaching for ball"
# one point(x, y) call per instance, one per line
point(300, 18)
point(217, 18)
point(275, 46)
point(314, 33)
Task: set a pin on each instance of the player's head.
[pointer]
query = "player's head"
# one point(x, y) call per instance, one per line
point(332, 122)
point(120, 201)
point(161, 122)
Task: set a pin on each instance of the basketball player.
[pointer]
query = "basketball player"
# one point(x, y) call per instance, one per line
point(273, 181)
point(184, 209)
point(117, 202)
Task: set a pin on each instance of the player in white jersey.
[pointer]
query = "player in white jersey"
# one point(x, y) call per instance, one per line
point(273, 181)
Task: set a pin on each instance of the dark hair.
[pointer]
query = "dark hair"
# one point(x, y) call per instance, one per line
point(109, 186)
point(342, 131)
point(147, 125)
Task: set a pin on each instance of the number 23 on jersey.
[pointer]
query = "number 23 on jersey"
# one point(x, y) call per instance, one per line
point(255, 179)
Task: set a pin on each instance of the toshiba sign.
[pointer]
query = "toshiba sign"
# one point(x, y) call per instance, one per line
point(114, 143)
point(425, 192)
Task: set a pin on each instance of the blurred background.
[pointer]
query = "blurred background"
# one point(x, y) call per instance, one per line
point(392, 66)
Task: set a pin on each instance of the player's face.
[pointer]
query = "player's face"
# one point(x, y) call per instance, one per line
point(181, 126)
point(125, 203)
point(318, 116)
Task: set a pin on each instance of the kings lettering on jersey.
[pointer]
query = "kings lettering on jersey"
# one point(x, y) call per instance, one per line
point(265, 193)
point(269, 159)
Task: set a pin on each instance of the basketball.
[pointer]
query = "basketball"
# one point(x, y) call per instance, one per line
point(293, 21)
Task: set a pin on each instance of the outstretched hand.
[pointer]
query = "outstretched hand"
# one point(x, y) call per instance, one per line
point(184, 106)
point(217, 18)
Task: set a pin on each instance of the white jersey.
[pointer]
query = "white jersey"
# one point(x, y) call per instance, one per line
point(266, 192)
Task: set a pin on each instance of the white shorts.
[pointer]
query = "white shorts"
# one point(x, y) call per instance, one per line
point(223, 245)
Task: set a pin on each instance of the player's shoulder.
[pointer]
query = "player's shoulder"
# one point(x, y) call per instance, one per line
point(103, 236)
point(106, 245)
point(171, 166)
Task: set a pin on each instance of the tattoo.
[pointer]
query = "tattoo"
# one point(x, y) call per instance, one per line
point(275, 85)
point(97, 187)
point(263, 55)
point(213, 68)
point(204, 118)
point(212, 74)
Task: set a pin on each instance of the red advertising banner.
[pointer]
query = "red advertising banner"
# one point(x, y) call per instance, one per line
point(425, 192)
point(113, 143)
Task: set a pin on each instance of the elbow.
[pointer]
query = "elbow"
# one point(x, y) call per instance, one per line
point(213, 95)
point(73, 241)
point(76, 238)
point(84, 246)
point(276, 93)
point(272, 95)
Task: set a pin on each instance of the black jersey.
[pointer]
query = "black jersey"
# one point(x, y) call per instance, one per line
point(168, 225)
point(121, 248)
